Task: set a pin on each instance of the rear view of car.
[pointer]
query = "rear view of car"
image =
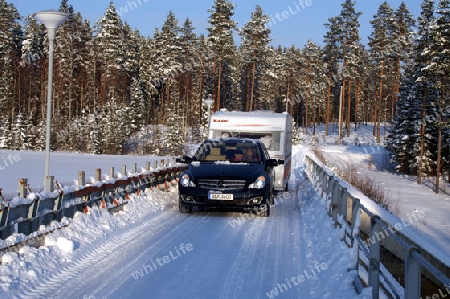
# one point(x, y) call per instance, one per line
point(232, 174)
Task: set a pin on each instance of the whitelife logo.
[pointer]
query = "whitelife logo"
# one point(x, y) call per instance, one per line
point(159, 262)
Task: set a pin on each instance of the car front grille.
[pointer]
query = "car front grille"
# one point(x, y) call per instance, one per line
point(219, 184)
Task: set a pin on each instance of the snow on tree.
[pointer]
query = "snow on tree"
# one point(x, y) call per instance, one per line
point(221, 42)
point(382, 48)
point(110, 41)
point(438, 71)
point(9, 45)
point(255, 38)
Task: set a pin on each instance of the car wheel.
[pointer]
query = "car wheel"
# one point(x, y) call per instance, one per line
point(183, 208)
point(264, 210)
point(272, 197)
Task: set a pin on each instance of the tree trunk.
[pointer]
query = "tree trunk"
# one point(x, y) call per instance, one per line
point(349, 107)
point(380, 102)
point(219, 79)
point(328, 108)
point(422, 138)
point(358, 87)
point(252, 90)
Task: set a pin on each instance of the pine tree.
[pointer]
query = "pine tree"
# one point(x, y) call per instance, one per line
point(314, 84)
point(331, 56)
point(382, 50)
point(254, 47)
point(111, 49)
point(167, 60)
point(189, 60)
point(9, 44)
point(403, 48)
point(71, 56)
point(220, 38)
point(349, 34)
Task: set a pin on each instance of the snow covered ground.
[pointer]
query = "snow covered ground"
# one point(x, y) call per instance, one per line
point(149, 250)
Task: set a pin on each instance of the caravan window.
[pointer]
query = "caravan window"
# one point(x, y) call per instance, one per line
point(271, 140)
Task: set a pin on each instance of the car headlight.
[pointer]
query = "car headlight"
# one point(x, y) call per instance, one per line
point(259, 183)
point(186, 181)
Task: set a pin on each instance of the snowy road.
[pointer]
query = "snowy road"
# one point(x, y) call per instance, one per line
point(159, 253)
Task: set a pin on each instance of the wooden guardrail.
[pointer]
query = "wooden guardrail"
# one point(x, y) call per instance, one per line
point(28, 212)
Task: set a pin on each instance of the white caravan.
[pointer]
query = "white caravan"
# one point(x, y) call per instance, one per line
point(274, 129)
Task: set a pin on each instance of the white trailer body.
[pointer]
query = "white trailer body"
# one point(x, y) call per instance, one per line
point(274, 129)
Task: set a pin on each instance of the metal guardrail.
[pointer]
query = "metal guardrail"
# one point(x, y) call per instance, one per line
point(46, 207)
point(346, 210)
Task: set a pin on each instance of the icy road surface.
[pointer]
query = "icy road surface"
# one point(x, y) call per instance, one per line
point(151, 251)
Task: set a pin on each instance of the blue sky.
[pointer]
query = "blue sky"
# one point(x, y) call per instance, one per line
point(294, 22)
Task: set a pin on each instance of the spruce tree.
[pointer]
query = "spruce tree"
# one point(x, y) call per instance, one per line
point(438, 71)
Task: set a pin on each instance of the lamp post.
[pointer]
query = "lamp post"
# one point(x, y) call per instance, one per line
point(209, 102)
point(51, 19)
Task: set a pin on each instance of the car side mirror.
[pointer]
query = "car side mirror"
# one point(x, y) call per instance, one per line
point(184, 160)
point(274, 162)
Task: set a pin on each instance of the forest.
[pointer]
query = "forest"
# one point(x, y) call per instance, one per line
point(118, 92)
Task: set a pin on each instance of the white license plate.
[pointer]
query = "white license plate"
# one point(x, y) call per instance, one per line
point(220, 196)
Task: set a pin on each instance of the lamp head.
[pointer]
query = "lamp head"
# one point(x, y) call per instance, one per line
point(51, 18)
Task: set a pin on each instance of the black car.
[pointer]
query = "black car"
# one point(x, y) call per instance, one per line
point(230, 173)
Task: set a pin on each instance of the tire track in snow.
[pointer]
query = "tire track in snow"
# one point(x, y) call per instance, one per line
point(104, 251)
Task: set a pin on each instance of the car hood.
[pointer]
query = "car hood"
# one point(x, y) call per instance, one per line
point(238, 171)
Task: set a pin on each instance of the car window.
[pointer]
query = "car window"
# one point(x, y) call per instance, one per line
point(248, 152)
point(211, 152)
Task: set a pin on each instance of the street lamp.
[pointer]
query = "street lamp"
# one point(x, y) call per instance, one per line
point(209, 102)
point(51, 19)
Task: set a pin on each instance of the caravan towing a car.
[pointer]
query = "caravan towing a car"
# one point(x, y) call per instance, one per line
point(229, 173)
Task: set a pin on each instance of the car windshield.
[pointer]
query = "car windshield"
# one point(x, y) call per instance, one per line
point(234, 152)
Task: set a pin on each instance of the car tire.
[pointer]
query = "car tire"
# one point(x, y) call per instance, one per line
point(272, 197)
point(264, 210)
point(183, 208)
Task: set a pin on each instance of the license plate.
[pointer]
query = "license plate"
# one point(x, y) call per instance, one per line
point(220, 196)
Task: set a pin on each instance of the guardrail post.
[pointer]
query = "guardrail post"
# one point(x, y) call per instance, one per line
point(57, 211)
point(81, 178)
point(343, 203)
point(356, 220)
point(134, 168)
point(23, 188)
point(49, 183)
point(124, 169)
point(325, 181)
point(412, 275)
point(334, 200)
point(111, 172)
point(374, 251)
point(354, 231)
point(98, 174)
point(147, 166)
